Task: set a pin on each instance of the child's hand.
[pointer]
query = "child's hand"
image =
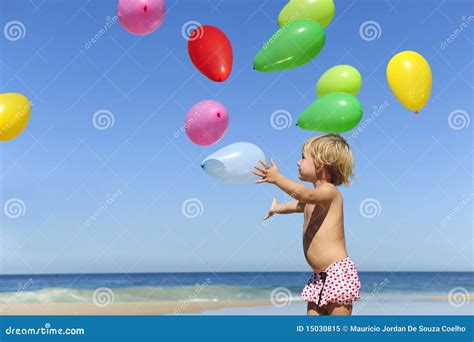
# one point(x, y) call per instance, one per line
point(273, 209)
point(269, 174)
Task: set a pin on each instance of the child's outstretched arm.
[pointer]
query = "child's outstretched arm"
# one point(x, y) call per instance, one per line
point(285, 208)
point(302, 193)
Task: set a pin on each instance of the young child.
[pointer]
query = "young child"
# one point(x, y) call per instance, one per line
point(326, 162)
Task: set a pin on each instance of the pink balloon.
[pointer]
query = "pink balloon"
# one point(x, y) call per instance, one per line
point(141, 17)
point(206, 122)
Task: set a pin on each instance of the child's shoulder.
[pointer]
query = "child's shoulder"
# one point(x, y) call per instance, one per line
point(331, 189)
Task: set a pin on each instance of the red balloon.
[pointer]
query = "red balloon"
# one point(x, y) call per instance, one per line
point(210, 52)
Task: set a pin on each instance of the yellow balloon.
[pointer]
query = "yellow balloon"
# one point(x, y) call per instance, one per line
point(14, 115)
point(409, 77)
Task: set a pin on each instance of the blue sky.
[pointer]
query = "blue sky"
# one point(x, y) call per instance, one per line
point(416, 169)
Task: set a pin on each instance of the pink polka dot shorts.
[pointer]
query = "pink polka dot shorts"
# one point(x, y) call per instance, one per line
point(339, 283)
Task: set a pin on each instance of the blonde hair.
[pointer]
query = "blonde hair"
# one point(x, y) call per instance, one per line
point(333, 152)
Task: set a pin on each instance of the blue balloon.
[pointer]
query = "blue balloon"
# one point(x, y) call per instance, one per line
point(234, 163)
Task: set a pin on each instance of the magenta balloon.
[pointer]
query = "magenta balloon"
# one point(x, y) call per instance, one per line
point(206, 122)
point(141, 17)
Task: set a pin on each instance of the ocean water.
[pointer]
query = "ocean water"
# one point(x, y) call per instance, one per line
point(386, 286)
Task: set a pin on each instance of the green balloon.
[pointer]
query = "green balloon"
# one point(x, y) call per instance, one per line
point(293, 45)
point(332, 113)
point(343, 78)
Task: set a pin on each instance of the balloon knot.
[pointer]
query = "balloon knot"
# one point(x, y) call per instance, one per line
point(202, 165)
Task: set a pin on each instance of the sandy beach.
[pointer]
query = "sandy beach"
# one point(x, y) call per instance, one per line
point(123, 308)
point(426, 308)
point(468, 297)
point(424, 305)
